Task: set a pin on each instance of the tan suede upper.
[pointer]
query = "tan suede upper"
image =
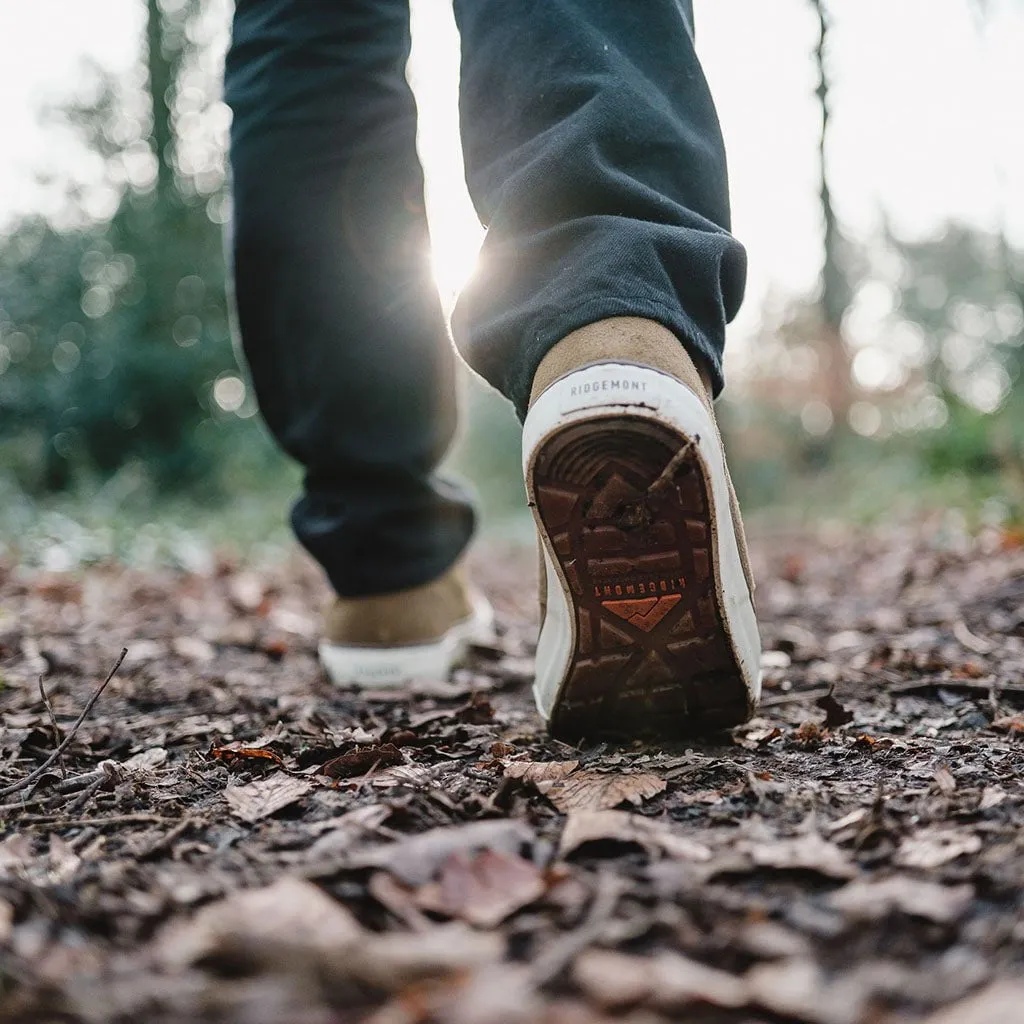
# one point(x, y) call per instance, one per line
point(645, 343)
point(417, 616)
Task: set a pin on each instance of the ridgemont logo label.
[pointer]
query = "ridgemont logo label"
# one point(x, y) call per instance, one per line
point(620, 386)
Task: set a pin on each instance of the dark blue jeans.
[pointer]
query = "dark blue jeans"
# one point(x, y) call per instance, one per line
point(594, 157)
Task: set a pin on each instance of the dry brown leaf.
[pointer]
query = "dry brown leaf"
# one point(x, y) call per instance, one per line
point(264, 797)
point(1009, 723)
point(396, 960)
point(797, 989)
point(290, 911)
point(992, 796)
point(235, 754)
point(363, 760)
point(1001, 1002)
point(870, 900)
point(292, 927)
point(808, 852)
point(414, 775)
point(417, 859)
point(540, 773)
point(483, 887)
point(945, 782)
point(934, 848)
point(194, 649)
point(341, 833)
point(596, 791)
point(667, 981)
point(622, 827)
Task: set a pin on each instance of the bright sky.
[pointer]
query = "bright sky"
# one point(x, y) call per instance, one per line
point(927, 116)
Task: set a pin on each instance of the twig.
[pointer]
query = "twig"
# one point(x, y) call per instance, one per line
point(667, 475)
point(796, 698)
point(85, 796)
point(117, 819)
point(53, 721)
point(32, 776)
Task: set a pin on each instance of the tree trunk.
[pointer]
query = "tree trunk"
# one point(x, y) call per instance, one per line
point(835, 289)
point(161, 80)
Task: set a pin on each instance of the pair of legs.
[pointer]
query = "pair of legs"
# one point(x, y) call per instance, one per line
point(594, 157)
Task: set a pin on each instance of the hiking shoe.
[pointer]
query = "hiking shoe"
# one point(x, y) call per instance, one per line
point(390, 639)
point(648, 625)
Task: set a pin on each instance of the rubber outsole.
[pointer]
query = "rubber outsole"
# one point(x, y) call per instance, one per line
point(624, 502)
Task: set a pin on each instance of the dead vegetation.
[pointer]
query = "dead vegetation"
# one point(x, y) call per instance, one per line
point(223, 837)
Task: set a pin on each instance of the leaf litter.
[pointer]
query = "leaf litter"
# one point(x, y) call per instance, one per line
point(216, 834)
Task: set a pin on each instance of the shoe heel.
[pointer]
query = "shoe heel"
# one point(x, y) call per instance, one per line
point(655, 635)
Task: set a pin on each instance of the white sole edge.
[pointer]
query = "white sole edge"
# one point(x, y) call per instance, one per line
point(382, 667)
point(588, 394)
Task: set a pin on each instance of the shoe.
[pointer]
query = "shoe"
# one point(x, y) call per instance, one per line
point(648, 626)
point(391, 639)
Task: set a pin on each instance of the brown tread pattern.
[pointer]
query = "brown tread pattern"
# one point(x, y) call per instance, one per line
point(652, 656)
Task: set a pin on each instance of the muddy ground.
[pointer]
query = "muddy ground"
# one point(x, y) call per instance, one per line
point(228, 838)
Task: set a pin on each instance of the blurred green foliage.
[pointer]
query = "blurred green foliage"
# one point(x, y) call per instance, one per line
point(114, 329)
point(117, 371)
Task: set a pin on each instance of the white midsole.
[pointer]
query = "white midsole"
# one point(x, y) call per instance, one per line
point(624, 389)
point(396, 666)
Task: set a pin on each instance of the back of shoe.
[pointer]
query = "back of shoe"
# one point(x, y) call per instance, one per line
point(650, 628)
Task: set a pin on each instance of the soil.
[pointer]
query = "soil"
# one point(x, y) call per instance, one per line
point(226, 837)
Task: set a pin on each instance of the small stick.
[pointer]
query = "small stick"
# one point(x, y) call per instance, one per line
point(38, 773)
point(53, 721)
point(795, 698)
point(667, 475)
point(116, 819)
point(85, 796)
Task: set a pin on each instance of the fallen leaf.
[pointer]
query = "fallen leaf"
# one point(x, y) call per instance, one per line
point(992, 796)
point(668, 981)
point(264, 797)
point(808, 852)
point(945, 783)
point(871, 900)
point(245, 590)
point(999, 1003)
point(414, 775)
point(289, 911)
point(396, 960)
point(835, 714)
point(417, 859)
point(935, 848)
point(798, 989)
point(483, 887)
point(341, 833)
point(622, 827)
point(540, 773)
point(15, 854)
point(193, 648)
point(362, 760)
point(595, 791)
point(235, 754)
point(1009, 723)
point(293, 928)
point(145, 760)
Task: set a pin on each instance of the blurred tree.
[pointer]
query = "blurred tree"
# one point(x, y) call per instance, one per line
point(835, 291)
point(113, 326)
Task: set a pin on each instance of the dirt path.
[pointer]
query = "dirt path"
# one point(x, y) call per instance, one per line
point(227, 839)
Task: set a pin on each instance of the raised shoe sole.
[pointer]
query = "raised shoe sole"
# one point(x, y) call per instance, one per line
point(650, 628)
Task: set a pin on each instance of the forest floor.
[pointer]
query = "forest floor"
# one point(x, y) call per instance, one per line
point(227, 838)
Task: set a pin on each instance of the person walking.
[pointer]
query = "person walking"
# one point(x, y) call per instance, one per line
point(606, 278)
